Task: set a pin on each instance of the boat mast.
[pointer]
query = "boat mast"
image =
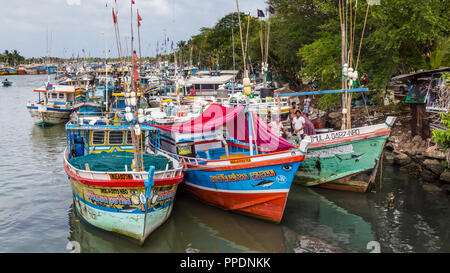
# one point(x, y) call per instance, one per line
point(266, 61)
point(106, 68)
point(234, 58)
point(135, 129)
point(247, 87)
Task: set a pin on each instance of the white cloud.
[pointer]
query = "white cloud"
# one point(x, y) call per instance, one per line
point(75, 26)
point(73, 2)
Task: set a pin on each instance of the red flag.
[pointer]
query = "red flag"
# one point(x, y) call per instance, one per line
point(139, 19)
point(136, 74)
point(132, 2)
point(114, 16)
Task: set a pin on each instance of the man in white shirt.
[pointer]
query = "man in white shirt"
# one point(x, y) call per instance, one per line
point(299, 123)
point(277, 127)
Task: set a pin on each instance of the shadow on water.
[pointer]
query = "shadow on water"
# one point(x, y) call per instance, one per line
point(313, 223)
point(418, 221)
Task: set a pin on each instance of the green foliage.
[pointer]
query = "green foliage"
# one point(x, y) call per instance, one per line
point(11, 58)
point(329, 101)
point(443, 136)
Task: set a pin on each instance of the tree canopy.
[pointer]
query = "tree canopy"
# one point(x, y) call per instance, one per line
point(400, 36)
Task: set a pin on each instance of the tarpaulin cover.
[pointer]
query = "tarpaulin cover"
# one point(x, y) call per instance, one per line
point(236, 122)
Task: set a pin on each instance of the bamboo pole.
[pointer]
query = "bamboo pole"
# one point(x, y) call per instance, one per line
point(362, 37)
point(242, 41)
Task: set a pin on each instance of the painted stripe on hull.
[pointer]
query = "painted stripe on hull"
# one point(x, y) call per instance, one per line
point(120, 183)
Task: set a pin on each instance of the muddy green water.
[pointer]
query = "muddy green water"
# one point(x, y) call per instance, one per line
point(36, 212)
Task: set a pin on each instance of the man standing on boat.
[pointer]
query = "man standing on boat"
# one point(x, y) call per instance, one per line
point(277, 127)
point(292, 112)
point(298, 124)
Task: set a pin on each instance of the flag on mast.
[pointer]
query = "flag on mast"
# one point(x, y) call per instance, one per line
point(261, 13)
point(114, 16)
point(136, 74)
point(139, 19)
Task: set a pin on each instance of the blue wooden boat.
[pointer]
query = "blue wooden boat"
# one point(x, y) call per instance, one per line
point(6, 83)
point(228, 165)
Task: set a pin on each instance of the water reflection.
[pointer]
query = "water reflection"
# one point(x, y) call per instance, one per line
point(312, 219)
point(419, 221)
point(192, 225)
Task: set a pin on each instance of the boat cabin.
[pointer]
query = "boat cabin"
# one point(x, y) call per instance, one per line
point(206, 83)
point(58, 95)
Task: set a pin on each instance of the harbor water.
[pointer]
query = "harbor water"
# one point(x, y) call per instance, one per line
point(37, 215)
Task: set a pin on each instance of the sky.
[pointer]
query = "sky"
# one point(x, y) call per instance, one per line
point(74, 25)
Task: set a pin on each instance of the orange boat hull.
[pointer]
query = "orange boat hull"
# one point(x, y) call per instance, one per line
point(267, 206)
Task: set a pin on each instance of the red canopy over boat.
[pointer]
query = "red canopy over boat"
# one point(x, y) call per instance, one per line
point(236, 122)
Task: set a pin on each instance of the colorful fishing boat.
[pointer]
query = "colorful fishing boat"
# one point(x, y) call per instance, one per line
point(232, 167)
point(55, 106)
point(109, 191)
point(345, 160)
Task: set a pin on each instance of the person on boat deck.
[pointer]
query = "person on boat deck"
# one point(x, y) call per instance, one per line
point(277, 127)
point(298, 123)
point(306, 103)
point(292, 112)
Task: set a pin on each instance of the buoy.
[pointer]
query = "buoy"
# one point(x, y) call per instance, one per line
point(133, 101)
point(137, 129)
point(247, 91)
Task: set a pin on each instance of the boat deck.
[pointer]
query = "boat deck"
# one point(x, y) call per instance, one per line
point(118, 162)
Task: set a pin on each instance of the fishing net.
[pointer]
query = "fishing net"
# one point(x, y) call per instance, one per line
point(116, 161)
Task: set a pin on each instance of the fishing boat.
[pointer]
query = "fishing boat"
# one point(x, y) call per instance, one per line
point(55, 106)
point(345, 160)
point(175, 110)
point(109, 191)
point(6, 83)
point(230, 166)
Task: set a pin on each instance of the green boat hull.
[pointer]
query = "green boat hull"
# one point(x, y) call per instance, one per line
point(44, 124)
point(338, 161)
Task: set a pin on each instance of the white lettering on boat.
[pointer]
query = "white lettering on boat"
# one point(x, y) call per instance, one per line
point(335, 135)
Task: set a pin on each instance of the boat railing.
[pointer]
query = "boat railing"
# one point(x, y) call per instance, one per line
point(102, 175)
point(182, 159)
